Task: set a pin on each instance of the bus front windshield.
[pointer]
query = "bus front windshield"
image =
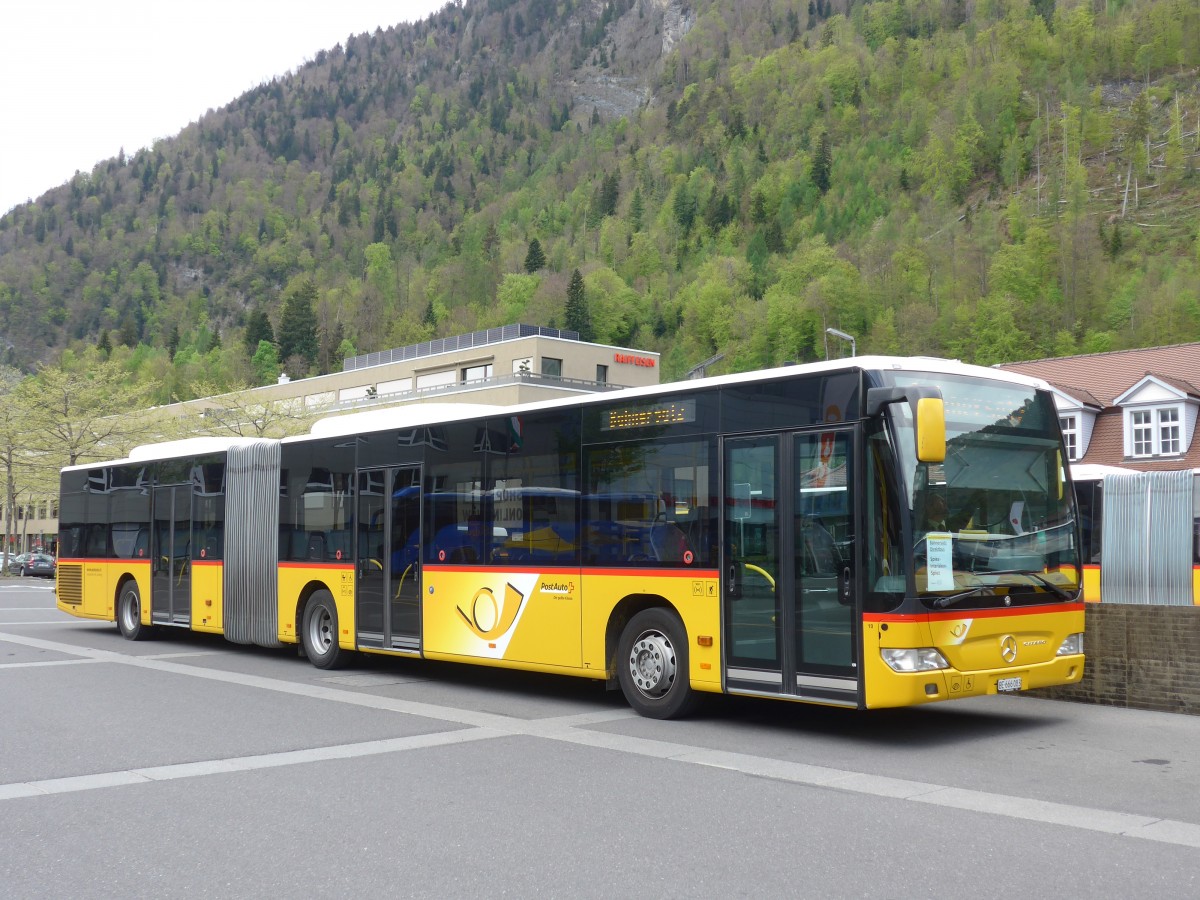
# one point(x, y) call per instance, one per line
point(993, 525)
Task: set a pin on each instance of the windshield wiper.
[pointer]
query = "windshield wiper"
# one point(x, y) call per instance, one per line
point(952, 599)
point(943, 602)
point(1046, 582)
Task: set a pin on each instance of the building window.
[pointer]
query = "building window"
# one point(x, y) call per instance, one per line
point(552, 367)
point(435, 379)
point(1155, 432)
point(1168, 430)
point(1143, 433)
point(601, 374)
point(477, 373)
point(1070, 431)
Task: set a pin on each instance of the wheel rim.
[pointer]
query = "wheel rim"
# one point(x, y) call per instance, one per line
point(130, 613)
point(320, 630)
point(652, 664)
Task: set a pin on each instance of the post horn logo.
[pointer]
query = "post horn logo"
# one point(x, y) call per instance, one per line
point(1008, 648)
point(489, 618)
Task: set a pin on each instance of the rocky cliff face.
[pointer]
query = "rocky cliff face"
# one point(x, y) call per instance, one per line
point(618, 77)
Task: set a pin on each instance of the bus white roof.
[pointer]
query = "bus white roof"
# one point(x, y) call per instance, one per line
point(406, 416)
point(416, 414)
point(197, 446)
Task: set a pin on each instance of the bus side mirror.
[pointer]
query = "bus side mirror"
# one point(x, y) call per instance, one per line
point(928, 412)
point(931, 430)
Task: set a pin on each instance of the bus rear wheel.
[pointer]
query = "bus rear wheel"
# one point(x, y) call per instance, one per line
point(652, 665)
point(129, 613)
point(319, 632)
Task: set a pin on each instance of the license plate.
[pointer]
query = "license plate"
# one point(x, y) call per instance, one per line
point(1008, 684)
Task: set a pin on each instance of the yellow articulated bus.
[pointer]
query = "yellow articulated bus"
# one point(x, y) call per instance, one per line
point(871, 532)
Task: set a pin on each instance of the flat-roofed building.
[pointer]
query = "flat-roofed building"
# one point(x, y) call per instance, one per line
point(499, 366)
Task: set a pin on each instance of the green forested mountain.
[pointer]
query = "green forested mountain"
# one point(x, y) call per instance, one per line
point(993, 180)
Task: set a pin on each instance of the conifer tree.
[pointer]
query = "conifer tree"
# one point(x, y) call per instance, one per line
point(535, 259)
point(258, 329)
point(298, 325)
point(637, 209)
point(576, 315)
point(822, 163)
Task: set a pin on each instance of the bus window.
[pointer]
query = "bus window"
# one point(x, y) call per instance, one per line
point(885, 559)
point(454, 494)
point(534, 491)
point(650, 504)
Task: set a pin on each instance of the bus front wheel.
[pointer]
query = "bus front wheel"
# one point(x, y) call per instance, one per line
point(652, 665)
point(319, 632)
point(129, 613)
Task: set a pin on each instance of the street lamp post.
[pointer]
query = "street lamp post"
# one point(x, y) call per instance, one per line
point(843, 336)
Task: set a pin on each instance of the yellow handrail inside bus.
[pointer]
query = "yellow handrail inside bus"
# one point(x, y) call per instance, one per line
point(761, 571)
point(404, 575)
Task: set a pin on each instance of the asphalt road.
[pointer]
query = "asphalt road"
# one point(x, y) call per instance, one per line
point(188, 766)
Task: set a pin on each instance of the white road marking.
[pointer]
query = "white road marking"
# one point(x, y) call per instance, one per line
point(32, 622)
point(485, 726)
point(50, 662)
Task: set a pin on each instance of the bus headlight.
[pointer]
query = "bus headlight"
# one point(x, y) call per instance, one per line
point(1072, 645)
point(921, 659)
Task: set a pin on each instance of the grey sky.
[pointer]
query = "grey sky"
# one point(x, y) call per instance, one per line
point(80, 80)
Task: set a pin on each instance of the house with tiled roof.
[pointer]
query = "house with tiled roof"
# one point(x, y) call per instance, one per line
point(1136, 409)
point(1129, 424)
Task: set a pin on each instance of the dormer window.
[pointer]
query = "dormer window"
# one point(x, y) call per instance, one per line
point(1070, 431)
point(1155, 432)
point(1143, 433)
point(1076, 420)
point(1159, 416)
point(1168, 430)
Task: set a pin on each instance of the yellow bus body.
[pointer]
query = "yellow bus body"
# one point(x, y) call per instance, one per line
point(972, 642)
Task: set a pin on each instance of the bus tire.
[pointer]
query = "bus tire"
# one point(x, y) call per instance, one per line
point(129, 613)
point(319, 632)
point(652, 665)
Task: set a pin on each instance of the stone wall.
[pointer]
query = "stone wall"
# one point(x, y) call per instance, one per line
point(1141, 657)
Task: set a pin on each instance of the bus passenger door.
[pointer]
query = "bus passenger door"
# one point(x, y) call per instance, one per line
point(823, 545)
point(788, 557)
point(752, 566)
point(171, 581)
point(388, 558)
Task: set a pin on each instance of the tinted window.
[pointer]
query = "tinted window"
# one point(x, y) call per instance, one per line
point(650, 503)
point(316, 502)
point(794, 403)
point(534, 491)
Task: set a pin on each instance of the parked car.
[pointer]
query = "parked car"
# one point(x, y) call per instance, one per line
point(37, 564)
point(16, 562)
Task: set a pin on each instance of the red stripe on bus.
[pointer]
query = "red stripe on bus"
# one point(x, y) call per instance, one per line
point(99, 559)
point(941, 615)
point(572, 570)
point(317, 565)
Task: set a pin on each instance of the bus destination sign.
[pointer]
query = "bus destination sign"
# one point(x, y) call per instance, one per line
point(673, 412)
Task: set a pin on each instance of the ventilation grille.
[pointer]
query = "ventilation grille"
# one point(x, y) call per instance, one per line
point(70, 584)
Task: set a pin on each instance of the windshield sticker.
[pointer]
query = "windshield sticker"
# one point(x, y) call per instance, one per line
point(940, 561)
